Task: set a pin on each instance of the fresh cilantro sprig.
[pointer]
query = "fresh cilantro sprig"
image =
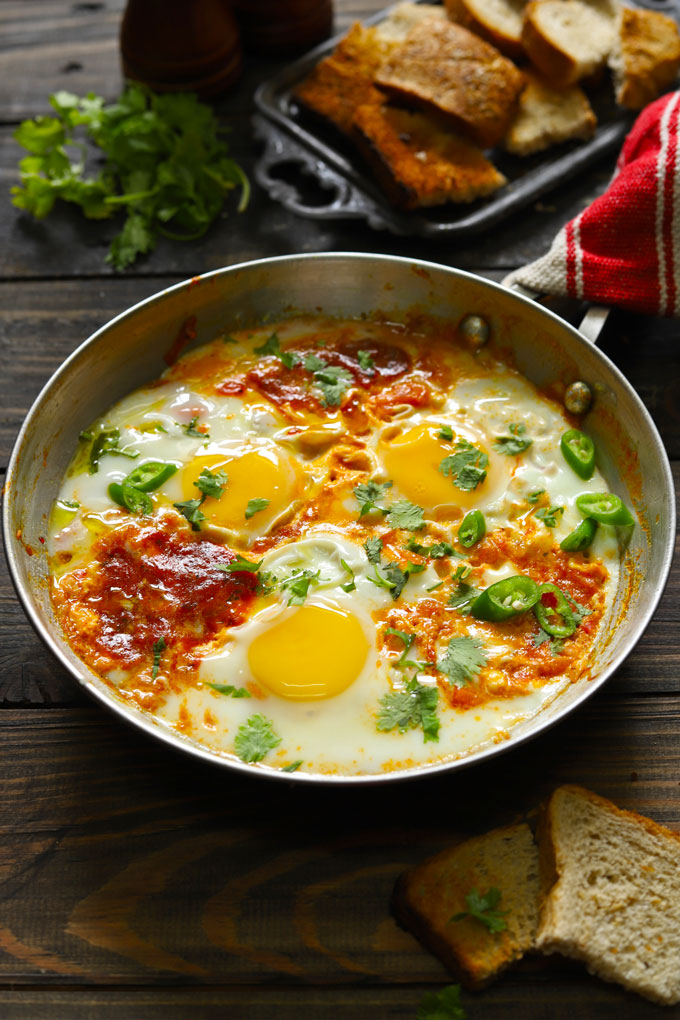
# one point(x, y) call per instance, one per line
point(550, 515)
point(515, 443)
point(273, 346)
point(367, 494)
point(444, 1005)
point(405, 515)
point(255, 506)
point(366, 363)
point(483, 909)
point(255, 739)
point(158, 650)
point(462, 597)
point(466, 467)
point(414, 707)
point(373, 547)
point(212, 483)
point(332, 381)
point(462, 660)
point(191, 510)
point(105, 441)
point(191, 430)
point(240, 565)
point(298, 584)
point(436, 551)
point(228, 690)
point(166, 166)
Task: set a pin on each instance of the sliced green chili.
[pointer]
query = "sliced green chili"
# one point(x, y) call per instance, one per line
point(134, 500)
point(553, 612)
point(151, 475)
point(604, 507)
point(472, 528)
point(581, 537)
point(505, 598)
point(578, 450)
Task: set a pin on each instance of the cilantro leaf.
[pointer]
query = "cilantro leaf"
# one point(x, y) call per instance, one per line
point(407, 710)
point(533, 497)
point(333, 381)
point(373, 547)
point(255, 505)
point(158, 650)
point(298, 585)
point(408, 516)
point(294, 766)
point(483, 909)
point(366, 363)
point(550, 515)
point(407, 640)
point(466, 467)
point(436, 551)
point(397, 578)
point(103, 442)
point(463, 596)
point(166, 165)
point(239, 565)
point(579, 611)
point(366, 493)
point(255, 739)
point(313, 363)
point(445, 432)
point(444, 1005)
point(273, 346)
point(230, 691)
point(351, 584)
point(462, 660)
point(513, 444)
point(191, 509)
point(191, 430)
point(212, 484)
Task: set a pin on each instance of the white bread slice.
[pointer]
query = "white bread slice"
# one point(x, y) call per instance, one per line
point(498, 21)
point(427, 897)
point(548, 116)
point(646, 57)
point(568, 40)
point(614, 892)
point(402, 19)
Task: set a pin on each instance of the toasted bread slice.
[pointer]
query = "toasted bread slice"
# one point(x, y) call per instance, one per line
point(416, 163)
point(568, 40)
point(444, 67)
point(344, 80)
point(646, 57)
point(498, 21)
point(548, 116)
point(614, 899)
point(426, 898)
point(402, 19)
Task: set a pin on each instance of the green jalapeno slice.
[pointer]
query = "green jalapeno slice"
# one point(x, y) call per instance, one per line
point(151, 475)
point(134, 500)
point(505, 598)
point(604, 507)
point(472, 528)
point(553, 612)
point(581, 537)
point(578, 450)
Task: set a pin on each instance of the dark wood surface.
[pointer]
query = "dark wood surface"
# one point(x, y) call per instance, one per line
point(138, 884)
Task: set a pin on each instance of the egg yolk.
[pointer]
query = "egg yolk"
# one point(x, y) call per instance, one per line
point(316, 652)
point(260, 473)
point(413, 460)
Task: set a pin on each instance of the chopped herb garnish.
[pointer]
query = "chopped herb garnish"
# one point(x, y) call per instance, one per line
point(407, 640)
point(366, 362)
point(191, 430)
point(373, 547)
point(270, 346)
point(158, 650)
point(191, 509)
point(444, 1005)
point(466, 467)
point(255, 505)
point(72, 504)
point(462, 660)
point(230, 691)
point(406, 710)
point(212, 484)
point(513, 444)
point(294, 766)
point(408, 516)
point(239, 565)
point(483, 909)
point(534, 496)
point(313, 363)
point(106, 441)
point(556, 646)
point(333, 381)
point(579, 611)
point(436, 551)
point(298, 585)
point(351, 584)
point(255, 739)
point(397, 578)
point(368, 492)
point(445, 432)
point(463, 596)
point(550, 515)
point(435, 586)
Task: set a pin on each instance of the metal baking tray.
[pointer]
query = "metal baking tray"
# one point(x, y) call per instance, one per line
point(301, 151)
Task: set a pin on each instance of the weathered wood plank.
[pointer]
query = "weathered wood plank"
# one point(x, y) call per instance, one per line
point(125, 863)
point(564, 996)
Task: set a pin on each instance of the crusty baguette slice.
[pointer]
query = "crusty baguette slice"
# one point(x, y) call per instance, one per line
point(498, 21)
point(444, 67)
point(344, 80)
point(614, 899)
point(568, 40)
point(416, 163)
point(548, 116)
point(428, 896)
point(402, 19)
point(646, 57)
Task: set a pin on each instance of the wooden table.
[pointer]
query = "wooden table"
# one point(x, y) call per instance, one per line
point(138, 884)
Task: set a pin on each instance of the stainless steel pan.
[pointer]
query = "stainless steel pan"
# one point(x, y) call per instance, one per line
point(129, 350)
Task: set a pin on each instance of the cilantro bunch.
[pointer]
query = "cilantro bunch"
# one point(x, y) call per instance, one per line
point(166, 166)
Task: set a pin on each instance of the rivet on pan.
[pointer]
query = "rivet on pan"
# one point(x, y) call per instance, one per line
point(578, 397)
point(474, 331)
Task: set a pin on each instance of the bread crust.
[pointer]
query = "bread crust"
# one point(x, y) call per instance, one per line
point(649, 56)
point(558, 66)
point(548, 116)
point(472, 14)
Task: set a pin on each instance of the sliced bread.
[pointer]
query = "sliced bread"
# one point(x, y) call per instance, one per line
point(568, 40)
point(427, 897)
point(645, 58)
point(548, 116)
point(402, 19)
point(613, 892)
point(416, 163)
point(498, 21)
point(442, 66)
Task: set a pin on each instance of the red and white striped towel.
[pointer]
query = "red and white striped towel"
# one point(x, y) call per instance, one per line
point(624, 249)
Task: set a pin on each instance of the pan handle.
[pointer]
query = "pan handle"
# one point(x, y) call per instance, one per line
point(592, 322)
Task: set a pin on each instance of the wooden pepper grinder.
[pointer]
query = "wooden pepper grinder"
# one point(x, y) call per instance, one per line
point(284, 27)
point(181, 45)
